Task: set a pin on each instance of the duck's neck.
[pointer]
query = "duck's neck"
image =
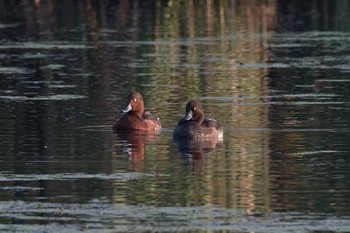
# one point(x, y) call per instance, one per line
point(139, 111)
point(199, 118)
point(137, 114)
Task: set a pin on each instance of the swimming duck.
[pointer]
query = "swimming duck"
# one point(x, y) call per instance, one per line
point(194, 125)
point(135, 117)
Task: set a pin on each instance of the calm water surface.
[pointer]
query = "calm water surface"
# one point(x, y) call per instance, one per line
point(275, 74)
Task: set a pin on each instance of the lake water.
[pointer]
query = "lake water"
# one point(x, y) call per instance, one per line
point(274, 74)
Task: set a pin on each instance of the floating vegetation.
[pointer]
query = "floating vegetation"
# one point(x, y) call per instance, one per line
point(33, 56)
point(20, 188)
point(45, 45)
point(70, 176)
point(100, 216)
point(11, 70)
point(53, 66)
point(41, 98)
point(10, 25)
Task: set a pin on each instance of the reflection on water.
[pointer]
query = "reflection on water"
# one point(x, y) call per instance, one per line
point(133, 142)
point(197, 148)
point(274, 74)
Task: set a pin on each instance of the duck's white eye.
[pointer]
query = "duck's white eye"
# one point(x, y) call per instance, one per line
point(194, 108)
point(135, 100)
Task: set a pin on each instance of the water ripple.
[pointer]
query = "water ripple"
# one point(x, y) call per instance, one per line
point(128, 218)
point(70, 176)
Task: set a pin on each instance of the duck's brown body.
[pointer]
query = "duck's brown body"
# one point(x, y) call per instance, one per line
point(135, 117)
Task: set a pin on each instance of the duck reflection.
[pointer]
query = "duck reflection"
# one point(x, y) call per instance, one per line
point(195, 134)
point(195, 148)
point(135, 145)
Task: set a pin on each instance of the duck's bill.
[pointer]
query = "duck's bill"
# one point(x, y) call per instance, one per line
point(126, 108)
point(188, 116)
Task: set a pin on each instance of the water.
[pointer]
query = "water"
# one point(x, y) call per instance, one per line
point(275, 75)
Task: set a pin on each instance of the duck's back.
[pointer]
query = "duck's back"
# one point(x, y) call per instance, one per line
point(152, 122)
point(131, 121)
point(213, 124)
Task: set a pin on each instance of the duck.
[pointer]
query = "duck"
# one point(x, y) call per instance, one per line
point(195, 126)
point(135, 117)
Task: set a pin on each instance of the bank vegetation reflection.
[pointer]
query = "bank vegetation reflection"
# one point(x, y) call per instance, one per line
point(191, 49)
point(202, 57)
